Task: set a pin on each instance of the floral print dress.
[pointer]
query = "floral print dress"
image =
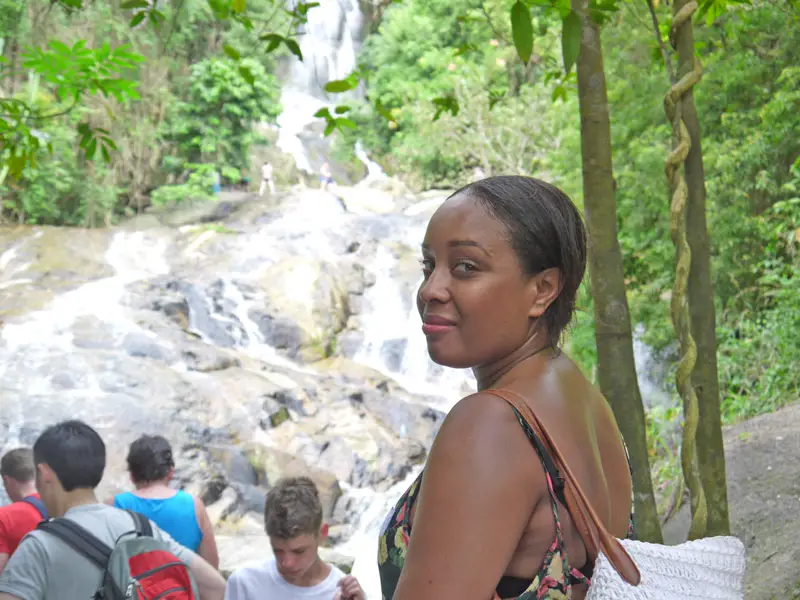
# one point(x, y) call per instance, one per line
point(554, 579)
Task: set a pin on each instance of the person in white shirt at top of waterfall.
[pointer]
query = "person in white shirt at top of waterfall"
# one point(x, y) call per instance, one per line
point(325, 176)
point(293, 520)
point(266, 179)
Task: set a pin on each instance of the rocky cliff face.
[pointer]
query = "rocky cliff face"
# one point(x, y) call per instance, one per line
point(263, 339)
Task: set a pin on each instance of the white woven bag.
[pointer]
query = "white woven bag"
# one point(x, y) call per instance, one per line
point(708, 569)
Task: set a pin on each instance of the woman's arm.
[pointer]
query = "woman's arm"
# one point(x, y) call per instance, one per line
point(481, 484)
point(208, 545)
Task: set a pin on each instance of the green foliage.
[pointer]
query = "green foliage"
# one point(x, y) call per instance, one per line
point(67, 74)
point(57, 191)
point(95, 60)
point(198, 186)
point(215, 122)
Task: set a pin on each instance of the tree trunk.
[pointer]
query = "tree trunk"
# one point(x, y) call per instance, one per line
point(710, 452)
point(616, 367)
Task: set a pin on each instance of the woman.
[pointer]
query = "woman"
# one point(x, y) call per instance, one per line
point(183, 516)
point(502, 260)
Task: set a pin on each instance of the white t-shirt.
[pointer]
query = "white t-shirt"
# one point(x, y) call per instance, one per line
point(265, 583)
point(266, 171)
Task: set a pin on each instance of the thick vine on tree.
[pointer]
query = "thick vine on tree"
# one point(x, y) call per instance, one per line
point(679, 305)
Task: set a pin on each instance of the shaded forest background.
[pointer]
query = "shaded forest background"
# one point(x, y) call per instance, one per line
point(448, 94)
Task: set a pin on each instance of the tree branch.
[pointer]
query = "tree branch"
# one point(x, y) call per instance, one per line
point(664, 52)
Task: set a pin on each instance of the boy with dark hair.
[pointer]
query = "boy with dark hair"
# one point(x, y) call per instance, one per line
point(293, 520)
point(27, 510)
point(70, 458)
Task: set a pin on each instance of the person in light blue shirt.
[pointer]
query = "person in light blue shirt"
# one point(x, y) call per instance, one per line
point(180, 514)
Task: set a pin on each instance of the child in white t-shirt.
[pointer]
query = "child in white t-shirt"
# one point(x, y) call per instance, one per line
point(293, 517)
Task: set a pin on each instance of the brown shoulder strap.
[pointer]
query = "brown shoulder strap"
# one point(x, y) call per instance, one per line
point(593, 532)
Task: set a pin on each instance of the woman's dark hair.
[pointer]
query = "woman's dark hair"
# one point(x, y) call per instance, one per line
point(150, 459)
point(545, 230)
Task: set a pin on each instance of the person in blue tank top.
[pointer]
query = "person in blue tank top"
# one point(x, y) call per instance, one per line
point(180, 514)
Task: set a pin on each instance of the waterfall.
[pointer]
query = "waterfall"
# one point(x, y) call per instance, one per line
point(329, 42)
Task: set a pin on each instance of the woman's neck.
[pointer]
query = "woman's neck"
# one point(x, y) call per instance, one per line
point(155, 489)
point(489, 376)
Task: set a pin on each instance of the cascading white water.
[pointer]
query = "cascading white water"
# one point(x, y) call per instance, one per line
point(329, 42)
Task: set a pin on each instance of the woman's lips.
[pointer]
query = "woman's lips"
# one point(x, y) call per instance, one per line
point(432, 325)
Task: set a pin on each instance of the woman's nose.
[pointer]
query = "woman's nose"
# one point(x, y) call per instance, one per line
point(434, 288)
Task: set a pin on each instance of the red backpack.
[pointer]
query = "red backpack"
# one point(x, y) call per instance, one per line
point(137, 568)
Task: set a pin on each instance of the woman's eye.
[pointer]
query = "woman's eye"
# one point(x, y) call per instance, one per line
point(464, 267)
point(427, 265)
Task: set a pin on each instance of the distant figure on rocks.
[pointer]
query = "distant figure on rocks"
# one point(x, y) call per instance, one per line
point(65, 557)
point(151, 468)
point(325, 176)
point(27, 510)
point(293, 516)
point(217, 183)
point(266, 179)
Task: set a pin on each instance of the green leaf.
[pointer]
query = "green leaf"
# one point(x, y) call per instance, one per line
point(338, 86)
point(293, 47)
point(330, 127)
point(340, 110)
point(323, 113)
point(231, 52)
point(274, 40)
point(247, 74)
point(60, 47)
point(244, 21)
point(134, 4)
point(137, 18)
point(239, 6)
point(383, 111)
point(570, 40)
point(559, 92)
point(522, 30)
point(343, 122)
point(106, 154)
point(91, 148)
point(495, 96)
point(446, 103)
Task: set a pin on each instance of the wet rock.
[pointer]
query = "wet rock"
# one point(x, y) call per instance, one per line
point(63, 381)
point(141, 345)
point(349, 343)
point(280, 332)
point(309, 294)
point(175, 306)
point(237, 466)
point(205, 358)
point(253, 498)
point(272, 464)
point(91, 333)
point(222, 507)
point(393, 352)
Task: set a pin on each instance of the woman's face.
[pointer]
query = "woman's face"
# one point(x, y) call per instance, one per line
point(476, 303)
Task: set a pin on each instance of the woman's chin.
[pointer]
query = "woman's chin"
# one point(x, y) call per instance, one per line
point(450, 359)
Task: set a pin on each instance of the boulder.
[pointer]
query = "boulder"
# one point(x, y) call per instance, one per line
point(311, 299)
point(272, 464)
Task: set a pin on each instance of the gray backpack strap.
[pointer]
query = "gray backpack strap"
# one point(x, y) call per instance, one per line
point(142, 523)
point(78, 539)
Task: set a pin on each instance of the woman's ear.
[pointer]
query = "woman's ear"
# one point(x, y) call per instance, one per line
point(545, 288)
